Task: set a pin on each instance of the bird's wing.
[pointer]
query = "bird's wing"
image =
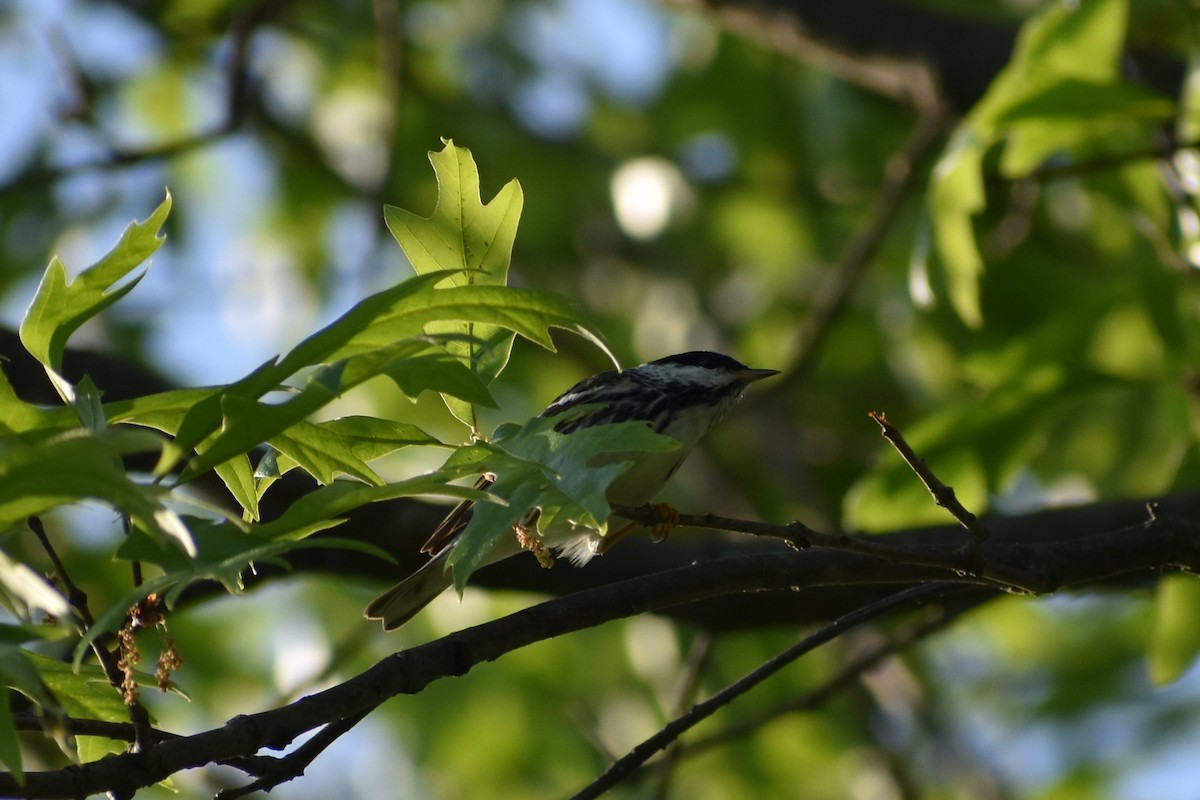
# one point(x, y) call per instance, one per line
point(450, 527)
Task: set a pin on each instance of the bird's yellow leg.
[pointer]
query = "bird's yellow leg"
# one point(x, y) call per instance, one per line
point(668, 518)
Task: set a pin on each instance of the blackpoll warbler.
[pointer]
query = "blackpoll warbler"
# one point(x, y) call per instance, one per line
point(681, 396)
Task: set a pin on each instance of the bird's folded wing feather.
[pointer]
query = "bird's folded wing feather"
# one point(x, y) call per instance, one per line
point(450, 527)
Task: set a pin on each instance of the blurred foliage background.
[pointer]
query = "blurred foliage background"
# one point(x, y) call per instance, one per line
point(809, 189)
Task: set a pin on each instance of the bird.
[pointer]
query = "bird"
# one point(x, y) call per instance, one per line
point(681, 396)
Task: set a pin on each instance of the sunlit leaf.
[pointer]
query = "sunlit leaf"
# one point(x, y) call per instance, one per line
point(382, 335)
point(343, 446)
point(30, 588)
point(85, 693)
point(1072, 99)
point(1063, 48)
point(464, 233)
point(24, 671)
point(17, 416)
point(1176, 640)
point(60, 307)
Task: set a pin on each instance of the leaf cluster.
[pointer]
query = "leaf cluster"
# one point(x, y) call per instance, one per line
point(447, 330)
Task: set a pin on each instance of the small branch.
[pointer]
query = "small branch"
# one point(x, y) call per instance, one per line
point(904, 79)
point(293, 765)
point(698, 656)
point(75, 596)
point(849, 675)
point(901, 174)
point(237, 92)
point(110, 663)
point(625, 765)
point(943, 495)
point(125, 732)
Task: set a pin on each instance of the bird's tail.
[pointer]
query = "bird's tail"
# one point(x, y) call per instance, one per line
point(405, 600)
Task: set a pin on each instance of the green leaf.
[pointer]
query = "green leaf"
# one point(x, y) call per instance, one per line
point(59, 307)
point(442, 373)
point(1073, 115)
point(238, 477)
point(163, 411)
point(466, 234)
point(344, 446)
point(23, 671)
point(1065, 47)
point(565, 475)
point(17, 416)
point(84, 692)
point(88, 406)
point(77, 465)
point(1086, 101)
point(1175, 641)
point(32, 632)
point(956, 195)
point(246, 422)
point(224, 553)
point(10, 748)
point(382, 335)
point(31, 588)
point(318, 508)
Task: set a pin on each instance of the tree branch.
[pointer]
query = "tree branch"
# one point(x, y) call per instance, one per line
point(942, 494)
point(625, 765)
point(1142, 550)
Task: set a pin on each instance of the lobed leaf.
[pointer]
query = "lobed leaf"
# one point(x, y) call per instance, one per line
point(566, 476)
point(473, 238)
point(59, 307)
point(343, 446)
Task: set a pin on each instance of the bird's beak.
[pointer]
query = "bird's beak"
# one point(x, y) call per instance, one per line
point(748, 376)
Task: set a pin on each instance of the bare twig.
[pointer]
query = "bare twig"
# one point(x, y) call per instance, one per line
point(901, 176)
point(943, 495)
point(698, 655)
point(934, 620)
point(237, 93)
point(625, 765)
point(109, 662)
point(293, 765)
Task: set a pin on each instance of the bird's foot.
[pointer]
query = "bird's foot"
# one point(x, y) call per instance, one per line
point(668, 518)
